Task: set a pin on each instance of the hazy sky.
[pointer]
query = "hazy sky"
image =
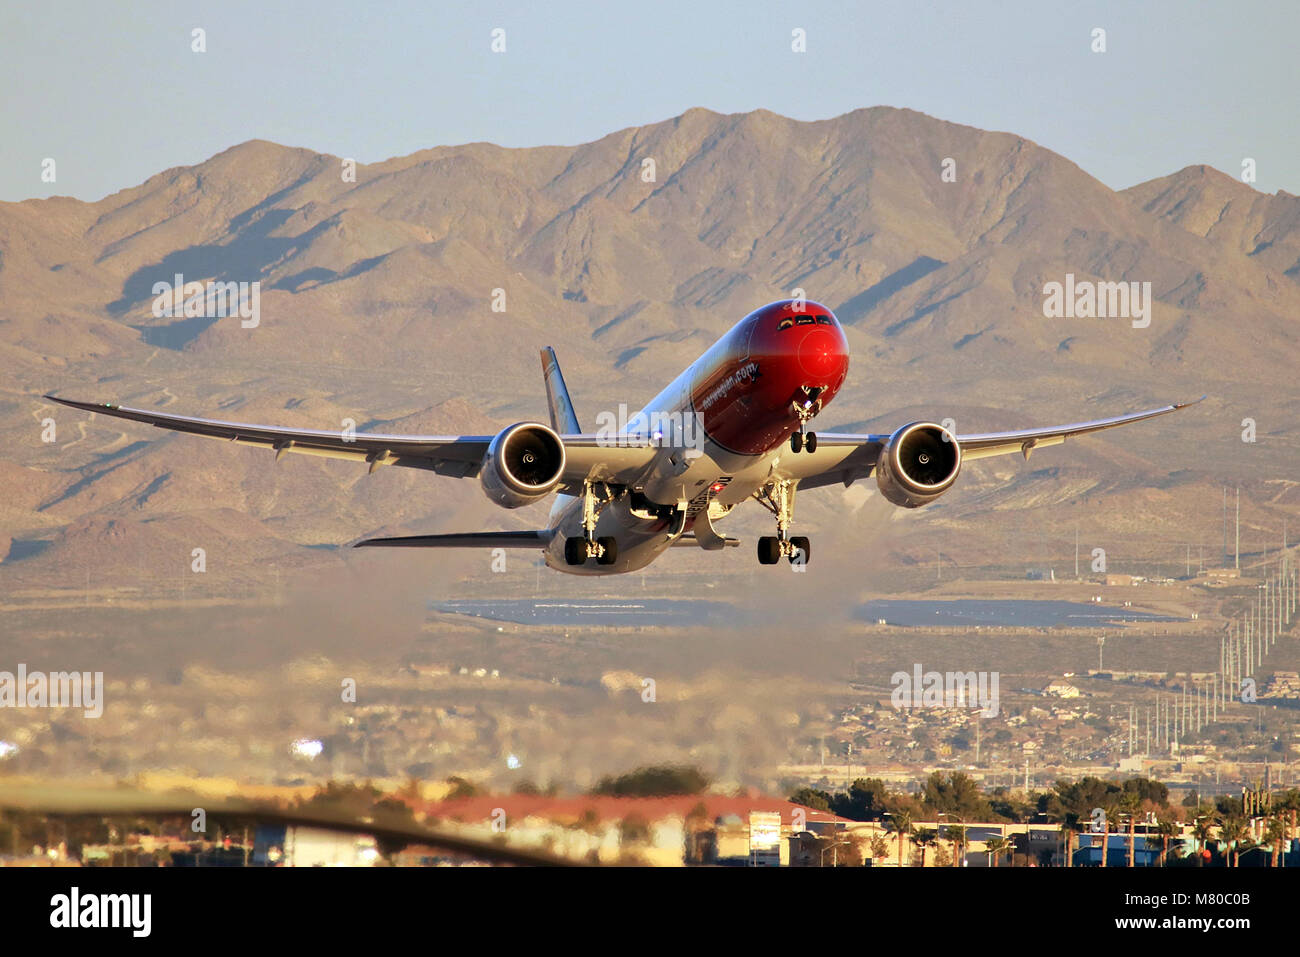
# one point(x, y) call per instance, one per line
point(113, 92)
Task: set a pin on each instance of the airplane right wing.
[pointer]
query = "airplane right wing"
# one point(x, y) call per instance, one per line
point(456, 455)
point(588, 457)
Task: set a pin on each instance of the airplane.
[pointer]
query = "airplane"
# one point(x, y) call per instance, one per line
point(732, 427)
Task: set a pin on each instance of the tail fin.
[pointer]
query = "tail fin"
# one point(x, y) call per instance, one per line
point(563, 418)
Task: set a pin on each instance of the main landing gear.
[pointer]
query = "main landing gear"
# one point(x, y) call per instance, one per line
point(604, 549)
point(778, 498)
point(806, 404)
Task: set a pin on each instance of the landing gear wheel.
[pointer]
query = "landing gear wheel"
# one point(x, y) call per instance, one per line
point(608, 551)
point(769, 550)
point(800, 550)
point(575, 551)
point(796, 442)
point(810, 441)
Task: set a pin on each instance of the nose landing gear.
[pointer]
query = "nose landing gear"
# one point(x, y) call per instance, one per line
point(803, 440)
point(806, 404)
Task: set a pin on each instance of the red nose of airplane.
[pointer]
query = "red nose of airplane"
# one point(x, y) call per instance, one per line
point(822, 354)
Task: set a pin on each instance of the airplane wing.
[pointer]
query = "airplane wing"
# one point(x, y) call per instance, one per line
point(588, 457)
point(845, 458)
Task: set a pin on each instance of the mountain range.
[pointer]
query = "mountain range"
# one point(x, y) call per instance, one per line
point(630, 255)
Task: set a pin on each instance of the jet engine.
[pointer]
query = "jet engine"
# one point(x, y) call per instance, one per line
point(918, 464)
point(523, 464)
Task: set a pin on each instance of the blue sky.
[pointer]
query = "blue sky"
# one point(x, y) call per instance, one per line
point(113, 92)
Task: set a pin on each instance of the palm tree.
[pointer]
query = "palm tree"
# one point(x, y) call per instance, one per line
point(1069, 824)
point(995, 846)
point(1232, 832)
point(1275, 834)
point(923, 838)
point(900, 822)
point(1130, 803)
point(1155, 841)
point(957, 834)
point(1166, 828)
point(1203, 832)
point(1110, 823)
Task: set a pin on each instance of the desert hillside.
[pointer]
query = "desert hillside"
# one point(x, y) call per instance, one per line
point(376, 305)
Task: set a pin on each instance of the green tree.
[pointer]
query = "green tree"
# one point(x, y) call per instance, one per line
point(996, 846)
point(900, 822)
point(1166, 829)
point(1233, 833)
point(810, 797)
point(866, 800)
point(1274, 835)
point(879, 847)
point(957, 835)
point(1148, 789)
point(659, 781)
point(923, 838)
point(954, 793)
point(1203, 831)
point(1129, 802)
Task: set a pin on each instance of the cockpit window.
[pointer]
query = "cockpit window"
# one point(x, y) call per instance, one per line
point(823, 320)
point(784, 324)
point(804, 321)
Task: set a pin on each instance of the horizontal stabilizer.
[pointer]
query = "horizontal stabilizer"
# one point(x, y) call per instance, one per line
point(537, 539)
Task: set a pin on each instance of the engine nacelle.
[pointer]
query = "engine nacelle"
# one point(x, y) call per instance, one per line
point(918, 464)
point(523, 464)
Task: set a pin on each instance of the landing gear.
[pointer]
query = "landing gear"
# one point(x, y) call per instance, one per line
point(604, 549)
point(575, 551)
point(803, 440)
point(806, 404)
point(580, 548)
point(778, 498)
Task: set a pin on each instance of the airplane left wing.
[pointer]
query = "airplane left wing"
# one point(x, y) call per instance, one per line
point(845, 458)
